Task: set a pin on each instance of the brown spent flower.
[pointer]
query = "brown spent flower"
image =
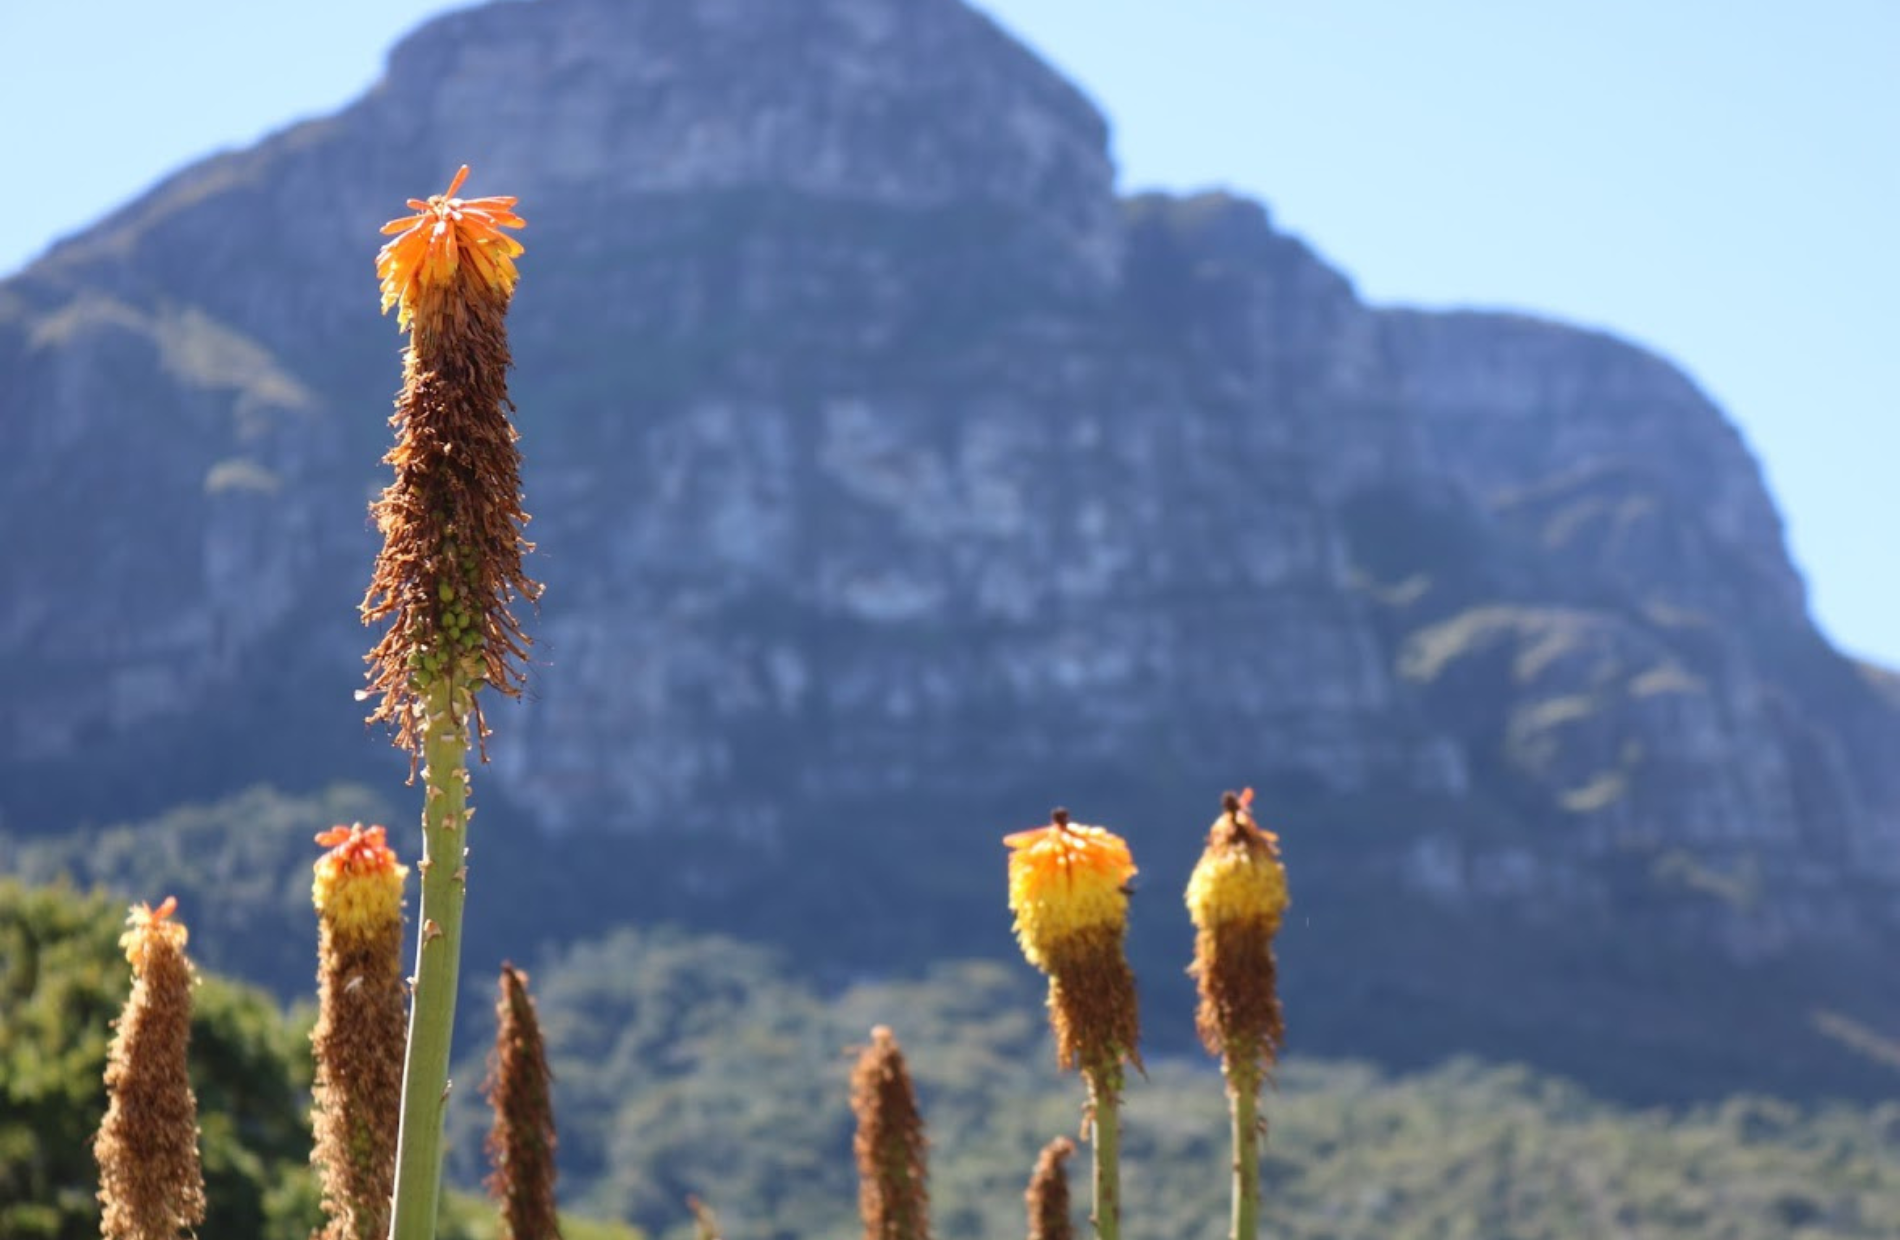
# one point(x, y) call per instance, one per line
point(362, 1018)
point(1048, 1195)
point(521, 1144)
point(1092, 1003)
point(1238, 897)
point(705, 1222)
point(452, 523)
point(893, 1196)
point(151, 1184)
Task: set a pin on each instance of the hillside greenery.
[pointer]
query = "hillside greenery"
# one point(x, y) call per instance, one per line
point(694, 1064)
point(62, 983)
point(688, 1063)
point(1619, 1000)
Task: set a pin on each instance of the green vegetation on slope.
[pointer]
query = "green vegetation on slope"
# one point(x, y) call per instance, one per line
point(63, 981)
point(1616, 1000)
point(688, 1064)
point(695, 1064)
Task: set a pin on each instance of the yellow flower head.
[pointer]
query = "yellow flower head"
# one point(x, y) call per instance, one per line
point(147, 929)
point(446, 236)
point(1239, 877)
point(1065, 879)
point(358, 884)
point(1237, 898)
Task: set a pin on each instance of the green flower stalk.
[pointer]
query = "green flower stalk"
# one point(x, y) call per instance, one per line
point(521, 1142)
point(151, 1184)
point(358, 1038)
point(1237, 897)
point(1047, 1199)
point(893, 1195)
point(445, 581)
point(1068, 890)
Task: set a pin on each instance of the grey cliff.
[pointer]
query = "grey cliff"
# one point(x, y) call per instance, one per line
point(888, 468)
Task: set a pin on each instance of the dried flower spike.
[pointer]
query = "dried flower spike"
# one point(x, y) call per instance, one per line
point(151, 1185)
point(705, 1222)
point(893, 1196)
point(1048, 1196)
point(452, 522)
point(358, 1038)
point(521, 1143)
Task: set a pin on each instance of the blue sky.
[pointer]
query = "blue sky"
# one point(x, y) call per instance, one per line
point(1718, 180)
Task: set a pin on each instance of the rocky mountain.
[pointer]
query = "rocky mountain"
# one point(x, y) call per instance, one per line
point(894, 478)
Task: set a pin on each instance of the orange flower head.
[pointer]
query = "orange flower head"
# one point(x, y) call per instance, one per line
point(147, 928)
point(1067, 887)
point(358, 883)
point(1065, 879)
point(446, 237)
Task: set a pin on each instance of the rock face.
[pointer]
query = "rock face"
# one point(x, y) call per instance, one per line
point(878, 451)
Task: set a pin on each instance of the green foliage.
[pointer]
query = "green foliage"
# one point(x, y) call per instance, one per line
point(695, 1065)
point(62, 982)
point(468, 1216)
point(240, 867)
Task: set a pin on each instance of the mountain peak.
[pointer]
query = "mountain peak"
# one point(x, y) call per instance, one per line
point(598, 104)
point(899, 102)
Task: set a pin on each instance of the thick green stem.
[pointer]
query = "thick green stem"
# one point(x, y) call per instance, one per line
point(425, 1080)
point(1243, 1091)
point(1105, 1090)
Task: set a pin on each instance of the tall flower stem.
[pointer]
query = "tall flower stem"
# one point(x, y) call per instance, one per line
point(1068, 887)
point(425, 1089)
point(1243, 1092)
point(1237, 897)
point(444, 583)
point(1106, 1138)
